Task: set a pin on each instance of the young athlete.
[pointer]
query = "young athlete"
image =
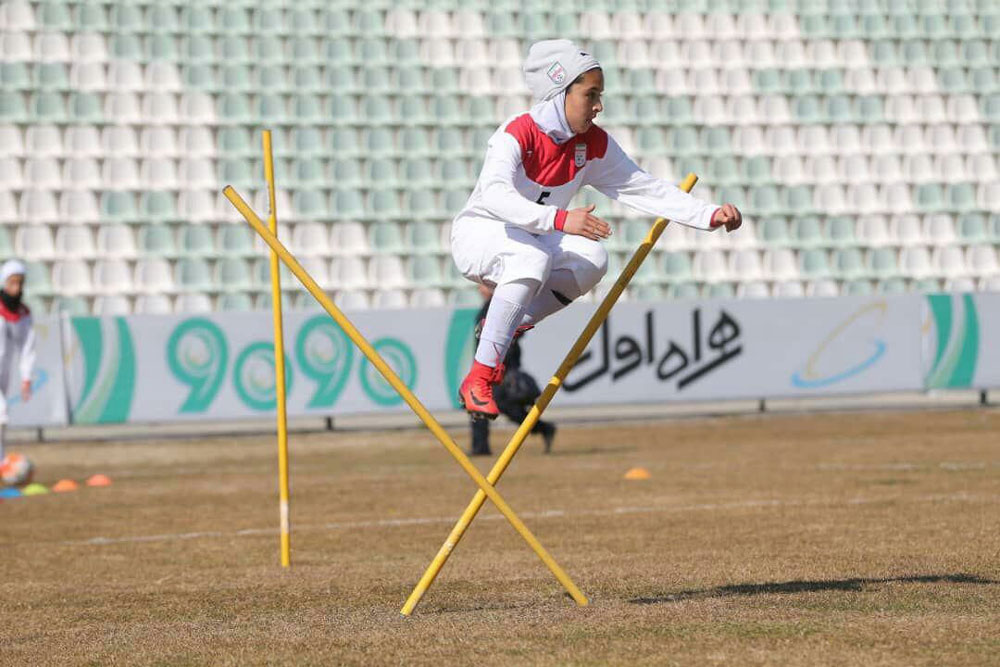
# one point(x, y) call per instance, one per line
point(16, 336)
point(515, 232)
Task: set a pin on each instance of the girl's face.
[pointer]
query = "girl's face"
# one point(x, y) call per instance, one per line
point(583, 100)
point(14, 285)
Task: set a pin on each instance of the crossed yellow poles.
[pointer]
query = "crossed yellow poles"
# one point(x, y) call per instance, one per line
point(486, 484)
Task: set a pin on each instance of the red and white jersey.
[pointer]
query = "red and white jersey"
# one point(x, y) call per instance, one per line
point(528, 180)
point(16, 336)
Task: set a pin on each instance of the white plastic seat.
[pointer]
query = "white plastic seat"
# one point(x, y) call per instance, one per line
point(988, 196)
point(658, 26)
point(197, 173)
point(71, 277)
point(915, 262)
point(814, 140)
point(34, 242)
point(348, 272)
point(11, 174)
point(949, 262)
point(431, 297)
point(123, 107)
point(8, 208)
point(822, 288)
point(153, 276)
point(753, 290)
point(199, 205)
point(907, 230)
point(121, 174)
point(125, 75)
point(855, 169)
point(831, 199)
point(153, 304)
point(112, 276)
point(162, 76)
point(349, 238)
point(115, 241)
point(119, 141)
point(52, 47)
point(159, 174)
point(627, 25)
point(160, 109)
point(43, 141)
point(351, 299)
point(197, 109)
point(75, 242)
point(780, 140)
point(193, 302)
point(746, 265)
point(79, 207)
point(864, 198)
point(387, 272)
point(83, 141)
point(780, 264)
point(873, 231)
point(879, 139)
point(158, 142)
point(788, 289)
point(43, 173)
point(919, 169)
point(197, 142)
point(38, 206)
point(982, 260)
point(310, 239)
point(982, 168)
point(112, 304)
point(939, 229)
point(468, 24)
point(390, 299)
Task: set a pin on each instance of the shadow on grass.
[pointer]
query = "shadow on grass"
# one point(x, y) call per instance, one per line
point(858, 584)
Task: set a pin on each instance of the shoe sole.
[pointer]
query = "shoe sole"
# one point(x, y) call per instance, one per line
point(475, 414)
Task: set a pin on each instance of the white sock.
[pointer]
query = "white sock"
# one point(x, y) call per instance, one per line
point(558, 292)
point(502, 319)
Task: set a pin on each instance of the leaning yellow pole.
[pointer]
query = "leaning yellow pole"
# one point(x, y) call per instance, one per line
point(390, 375)
point(279, 361)
point(543, 401)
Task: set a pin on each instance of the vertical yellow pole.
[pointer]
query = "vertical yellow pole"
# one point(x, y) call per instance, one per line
point(596, 320)
point(279, 361)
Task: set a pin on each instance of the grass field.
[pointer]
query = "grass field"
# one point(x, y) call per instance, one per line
point(841, 539)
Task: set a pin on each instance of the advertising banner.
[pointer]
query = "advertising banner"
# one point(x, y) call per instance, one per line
point(47, 404)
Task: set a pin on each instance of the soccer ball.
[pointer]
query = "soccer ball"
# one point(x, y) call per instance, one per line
point(16, 469)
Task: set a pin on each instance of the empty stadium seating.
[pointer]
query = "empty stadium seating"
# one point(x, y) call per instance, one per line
point(860, 140)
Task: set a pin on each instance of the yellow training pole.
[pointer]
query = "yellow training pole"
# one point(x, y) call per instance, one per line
point(536, 411)
point(279, 361)
point(390, 375)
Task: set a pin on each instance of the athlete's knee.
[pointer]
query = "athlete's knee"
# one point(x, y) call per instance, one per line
point(530, 263)
point(591, 268)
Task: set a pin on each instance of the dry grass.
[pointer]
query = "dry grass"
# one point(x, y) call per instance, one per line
point(836, 539)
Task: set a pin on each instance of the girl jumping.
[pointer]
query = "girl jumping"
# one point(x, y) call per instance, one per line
point(515, 232)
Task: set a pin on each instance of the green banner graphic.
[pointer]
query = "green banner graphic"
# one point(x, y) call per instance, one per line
point(956, 351)
point(109, 370)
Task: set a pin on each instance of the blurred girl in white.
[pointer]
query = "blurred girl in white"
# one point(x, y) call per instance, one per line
point(17, 339)
point(515, 232)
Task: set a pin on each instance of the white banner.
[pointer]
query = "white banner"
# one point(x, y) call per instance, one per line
point(654, 352)
point(152, 368)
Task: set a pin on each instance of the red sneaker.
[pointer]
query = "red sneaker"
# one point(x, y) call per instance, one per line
point(476, 392)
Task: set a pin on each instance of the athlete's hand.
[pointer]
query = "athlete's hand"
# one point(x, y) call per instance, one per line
point(729, 216)
point(579, 221)
point(26, 391)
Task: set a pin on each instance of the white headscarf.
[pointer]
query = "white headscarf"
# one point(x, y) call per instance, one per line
point(11, 267)
point(549, 69)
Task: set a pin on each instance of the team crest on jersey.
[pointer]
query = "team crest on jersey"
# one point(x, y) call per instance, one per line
point(556, 73)
point(581, 155)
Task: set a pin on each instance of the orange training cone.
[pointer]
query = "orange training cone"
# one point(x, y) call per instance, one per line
point(99, 480)
point(637, 473)
point(64, 485)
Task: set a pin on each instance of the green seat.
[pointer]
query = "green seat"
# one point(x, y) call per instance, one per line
point(929, 197)
point(37, 278)
point(961, 197)
point(716, 140)
point(857, 288)
point(891, 286)
point(157, 240)
point(840, 230)
point(972, 228)
point(764, 200)
point(830, 81)
point(237, 173)
point(51, 76)
point(953, 80)
point(335, 22)
point(48, 107)
point(425, 271)
point(337, 51)
point(305, 50)
point(423, 237)
point(808, 110)
point(200, 76)
point(236, 241)
point(807, 232)
point(815, 263)
point(838, 109)
point(71, 305)
point(983, 80)
point(197, 19)
point(234, 301)
point(193, 274)
point(235, 108)
point(799, 82)
point(386, 237)
point(118, 206)
point(235, 141)
point(870, 109)
point(723, 170)
point(680, 141)
point(233, 274)
point(308, 172)
point(197, 241)
point(236, 77)
point(56, 16)
point(797, 199)
point(945, 53)
point(874, 26)
point(376, 111)
point(914, 52)
point(883, 262)
point(849, 263)
point(344, 142)
point(927, 285)
point(14, 76)
point(158, 206)
point(688, 291)
point(271, 109)
point(885, 53)
point(373, 51)
point(773, 231)
point(679, 111)
point(756, 170)
point(450, 142)
point(814, 26)
point(975, 53)
point(340, 78)
point(906, 26)
point(677, 266)
point(646, 110)
point(347, 205)
point(234, 20)
point(768, 81)
point(310, 205)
